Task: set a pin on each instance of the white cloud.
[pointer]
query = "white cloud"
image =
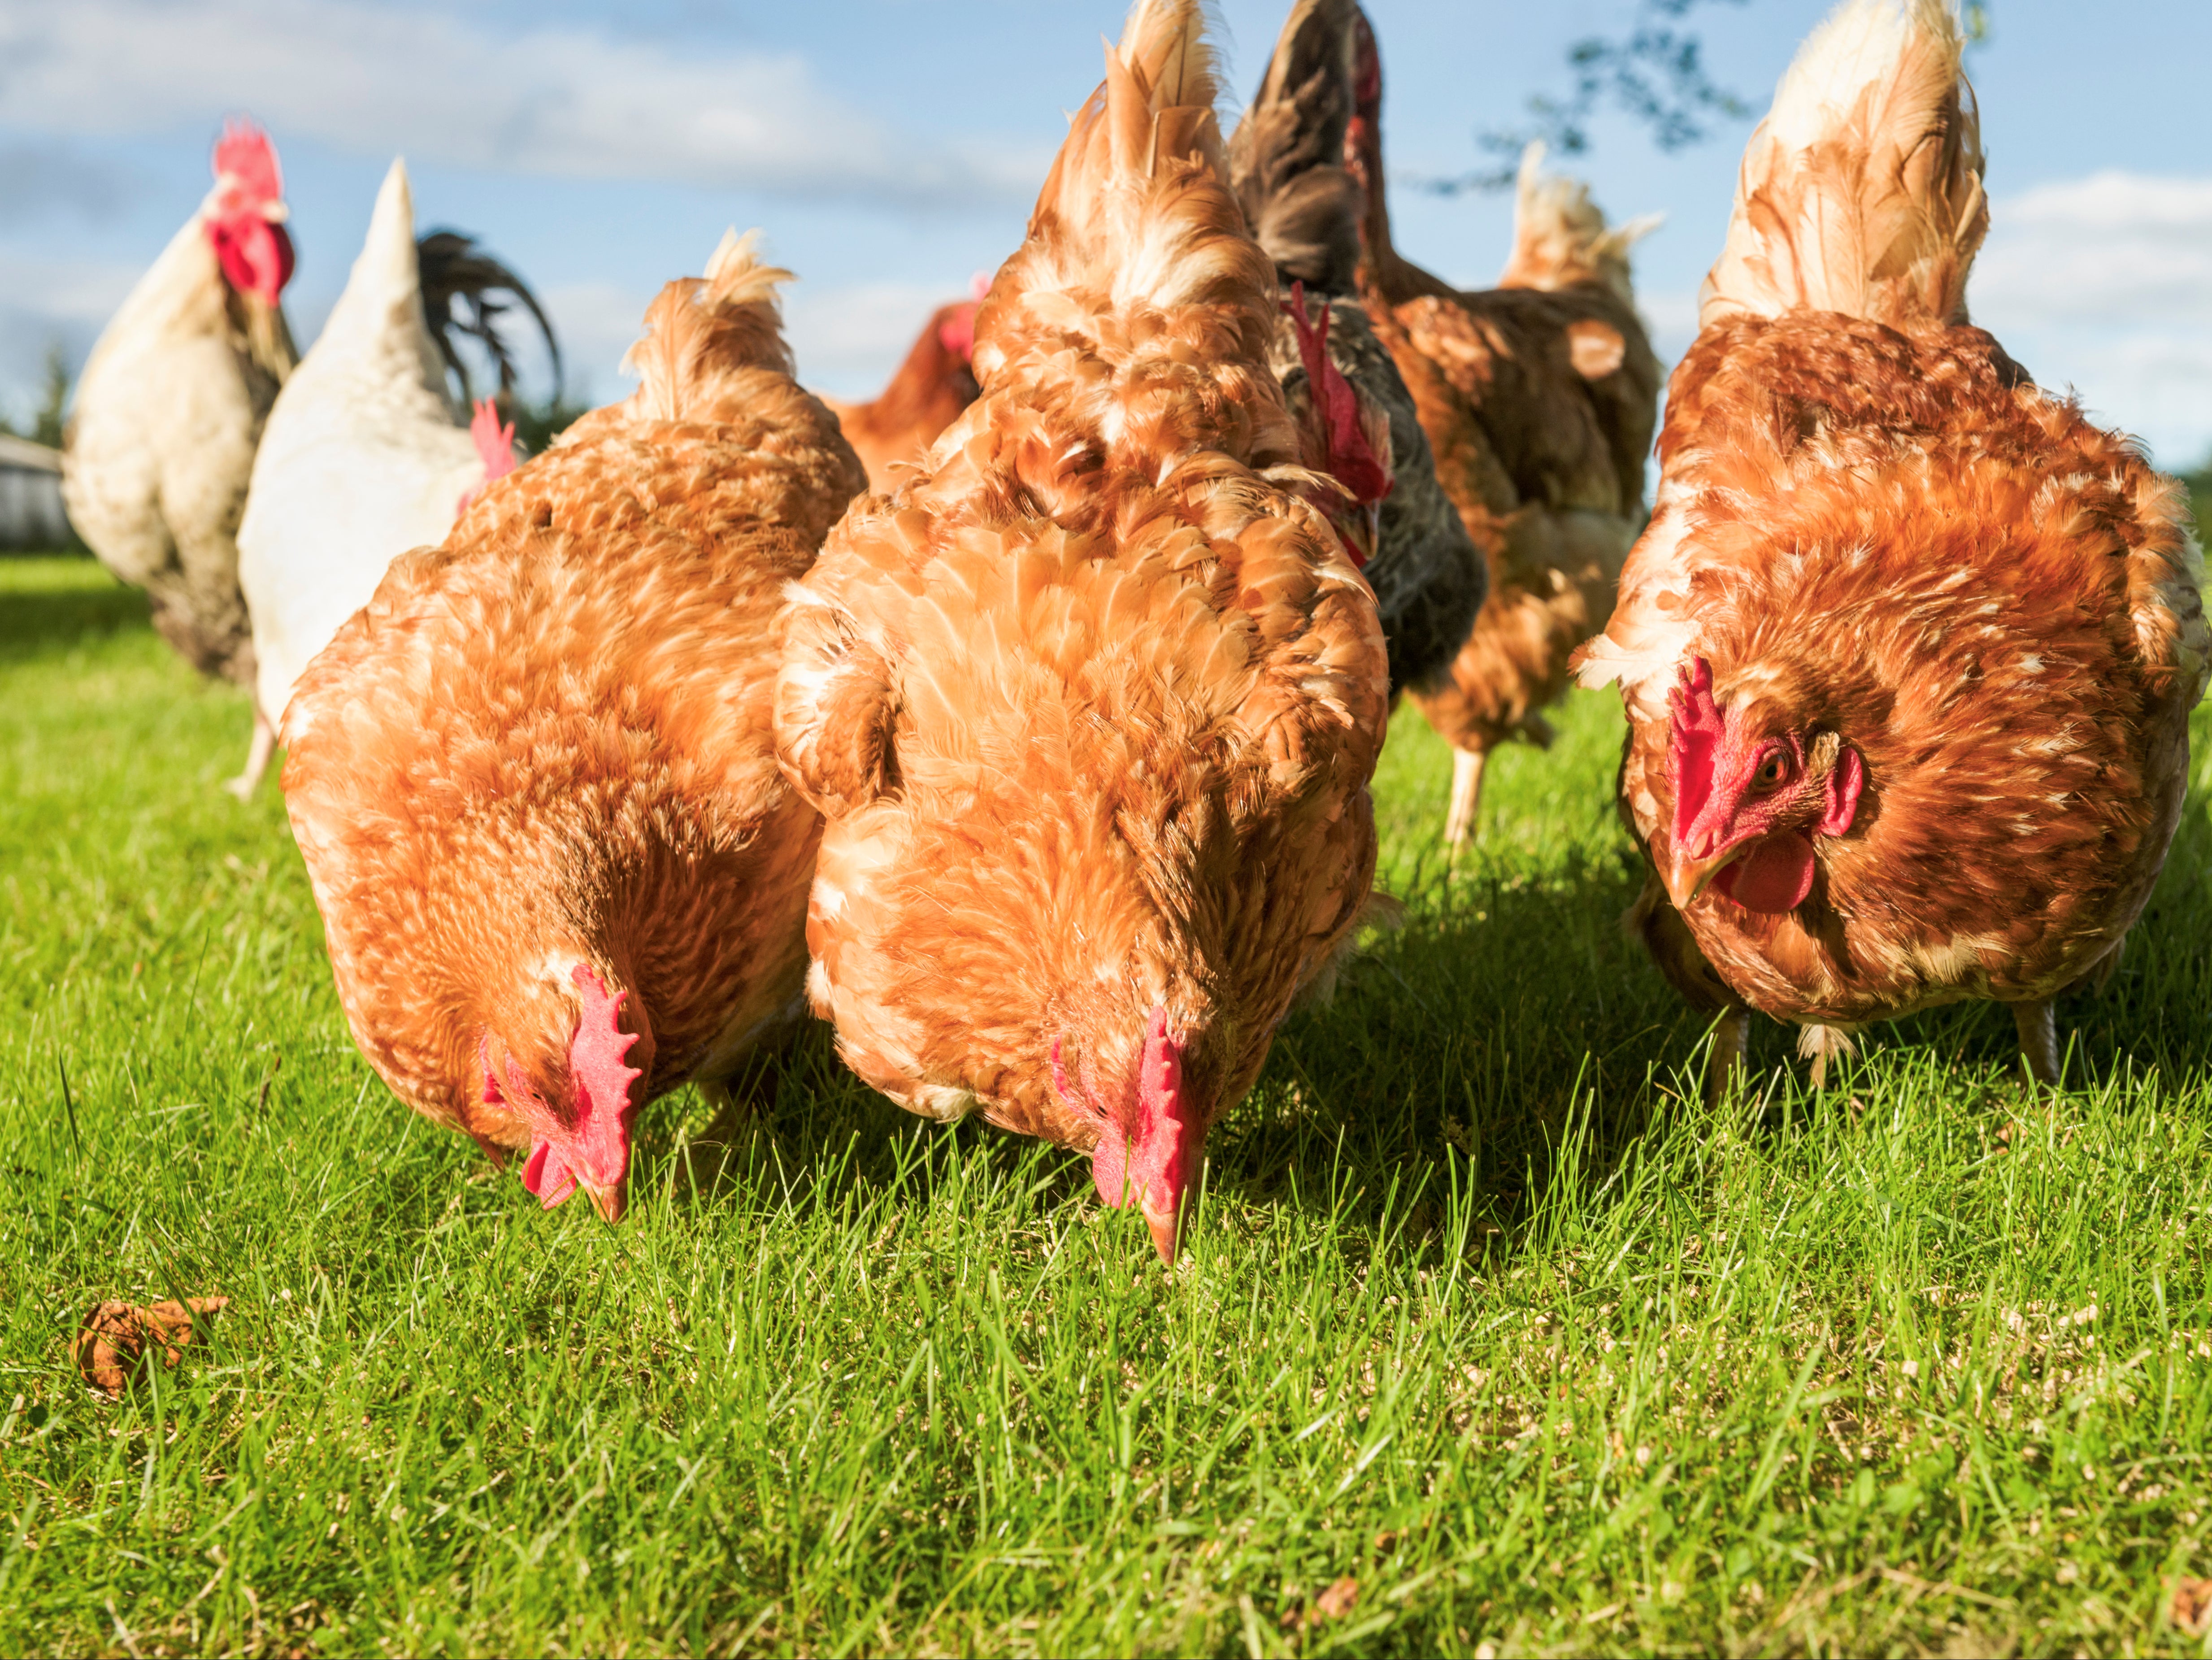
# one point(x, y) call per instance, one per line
point(2105, 283)
point(596, 322)
point(2118, 247)
point(65, 292)
point(49, 302)
point(557, 101)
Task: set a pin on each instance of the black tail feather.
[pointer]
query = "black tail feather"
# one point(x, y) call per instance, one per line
point(1287, 158)
point(459, 279)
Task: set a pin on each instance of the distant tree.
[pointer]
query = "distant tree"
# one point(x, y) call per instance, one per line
point(1655, 74)
point(46, 425)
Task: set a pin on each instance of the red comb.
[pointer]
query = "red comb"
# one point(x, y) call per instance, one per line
point(1350, 460)
point(495, 448)
point(598, 1149)
point(603, 1107)
point(595, 1059)
point(246, 161)
point(1366, 64)
point(494, 442)
point(1160, 1106)
point(956, 333)
point(1150, 1163)
point(1698, 728)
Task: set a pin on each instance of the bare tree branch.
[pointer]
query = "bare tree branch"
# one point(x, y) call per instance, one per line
point(1656, 73)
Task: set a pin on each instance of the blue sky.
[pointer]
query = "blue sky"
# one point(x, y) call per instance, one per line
point(890, 148)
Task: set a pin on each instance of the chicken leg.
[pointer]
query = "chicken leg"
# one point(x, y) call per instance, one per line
point(1465, 794)
point(257, 759)
point(2038, 1040)
point(1731, 1038)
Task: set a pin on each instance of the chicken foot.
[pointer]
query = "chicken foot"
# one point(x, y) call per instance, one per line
point(1465, 794)
point(2038, 1040)
point(262, 746)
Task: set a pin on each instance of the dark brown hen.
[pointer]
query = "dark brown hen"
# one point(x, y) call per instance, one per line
point(1537, 398)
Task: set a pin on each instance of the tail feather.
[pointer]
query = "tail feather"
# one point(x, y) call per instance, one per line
point(1149, 125)
point(457, 279)
point(1160, 88)
point(379, 313)
point(1861, 191)
point(701, 329)
point(1560, 238)
point(1286, 160)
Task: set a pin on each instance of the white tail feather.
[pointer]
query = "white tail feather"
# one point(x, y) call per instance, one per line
point(378, 318)
point(1560, 238)
point(1861, 191)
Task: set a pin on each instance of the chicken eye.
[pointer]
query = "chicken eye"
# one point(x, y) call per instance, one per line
point(1770, 771)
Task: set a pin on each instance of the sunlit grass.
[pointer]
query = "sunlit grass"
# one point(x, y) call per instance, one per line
point(1484, 1315)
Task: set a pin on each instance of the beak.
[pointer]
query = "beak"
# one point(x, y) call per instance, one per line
point(1688, 877)
point(1166, 1220)
point(276, 212)
point(609, 1200)
point(1162, 1224)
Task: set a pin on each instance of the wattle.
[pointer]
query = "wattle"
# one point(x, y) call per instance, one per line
point(547, 1175)
point(1773, 876)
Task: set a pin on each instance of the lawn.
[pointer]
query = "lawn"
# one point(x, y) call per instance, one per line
point(1490, 1338)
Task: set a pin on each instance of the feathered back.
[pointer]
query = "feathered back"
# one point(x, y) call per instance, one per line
point(703, 328)
point(1861, 191)
point(1286, 160)
point(1146, 130)
point(1560, 238)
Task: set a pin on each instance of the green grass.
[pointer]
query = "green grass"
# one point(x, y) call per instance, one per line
point(1485, 1312)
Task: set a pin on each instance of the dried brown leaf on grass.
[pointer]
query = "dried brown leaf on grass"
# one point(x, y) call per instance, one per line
point(1336, 1601)
point(1333, 1603)
point(114, 1343)
point(2191, 1608)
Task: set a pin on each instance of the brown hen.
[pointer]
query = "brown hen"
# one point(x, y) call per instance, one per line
point(559, 870)
point(932, 386)
point(1909, 647)
point(1092, 703)
point(1539, 399)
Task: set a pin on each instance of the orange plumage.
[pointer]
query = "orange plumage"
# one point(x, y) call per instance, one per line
point(559, 870)
point(1537, 398)
point(1092, 702)
point(1909, 647)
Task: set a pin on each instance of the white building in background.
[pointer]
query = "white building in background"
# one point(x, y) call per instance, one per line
point(31, 514)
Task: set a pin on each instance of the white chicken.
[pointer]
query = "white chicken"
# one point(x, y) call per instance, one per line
point(158, 453)
point(364, 456)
